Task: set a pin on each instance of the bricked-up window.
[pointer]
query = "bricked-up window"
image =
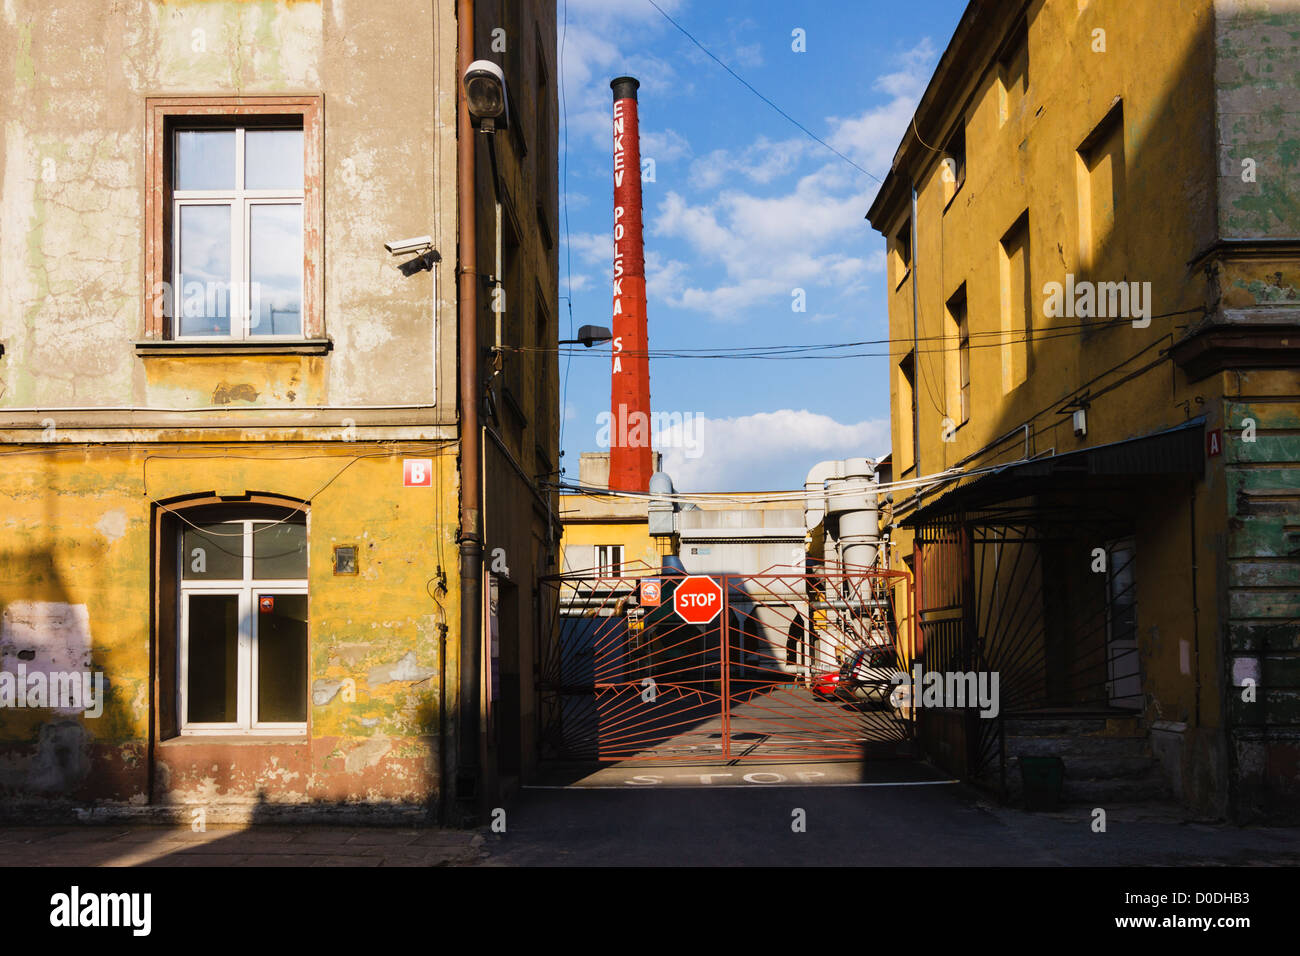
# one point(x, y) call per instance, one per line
point(511, 317)
point(544, 172)
point(1017, 310)
point(1013, 73)
point(233, 216)
point(952, 170)
point(901, 253)
point(908, 437)
point(1101, 176)
point(544, 354)
point(242, 624)
point(957, 353)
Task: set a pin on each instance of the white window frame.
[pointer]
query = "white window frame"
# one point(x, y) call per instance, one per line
point(609, 560)
point(248, 590)
point(240, 201)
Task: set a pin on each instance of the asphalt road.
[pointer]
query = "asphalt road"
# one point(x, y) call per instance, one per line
point(892, 813)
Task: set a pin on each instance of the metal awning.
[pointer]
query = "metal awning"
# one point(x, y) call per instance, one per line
point(1174, 452)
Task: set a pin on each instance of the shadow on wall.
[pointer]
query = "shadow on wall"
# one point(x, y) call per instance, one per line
point(66, 727)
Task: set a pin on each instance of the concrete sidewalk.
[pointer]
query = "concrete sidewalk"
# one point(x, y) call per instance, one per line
point(85, 846)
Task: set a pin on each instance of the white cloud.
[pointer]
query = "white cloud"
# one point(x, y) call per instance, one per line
point(806, 237)
point(871, 138)
point(664, 147)
point(760, 162)
point(593, 247)
point(766, 451)
point(728, 48)
point(663, 278)
point(768, 246)
point(592, 50)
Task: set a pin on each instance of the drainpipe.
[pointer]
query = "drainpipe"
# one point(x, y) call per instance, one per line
point(916, 352)
point(469, 536)
point(1196, 607)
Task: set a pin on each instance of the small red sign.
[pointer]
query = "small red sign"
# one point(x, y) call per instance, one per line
point(266, 605)
point(1214, 442)
point(698, 600)
point(417, 472)
point(650, 592)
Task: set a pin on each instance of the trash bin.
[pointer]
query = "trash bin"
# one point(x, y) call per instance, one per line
point(1043, 778)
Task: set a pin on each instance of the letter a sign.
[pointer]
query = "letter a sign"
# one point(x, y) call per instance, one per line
point(698, 600)
point(1214, 442)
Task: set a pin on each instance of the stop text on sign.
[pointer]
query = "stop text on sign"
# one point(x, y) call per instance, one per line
point(698, 600)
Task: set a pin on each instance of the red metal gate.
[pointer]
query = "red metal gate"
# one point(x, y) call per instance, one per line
point(796, 667)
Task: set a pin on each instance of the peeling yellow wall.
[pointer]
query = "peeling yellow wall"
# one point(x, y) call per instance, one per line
point(76, 531)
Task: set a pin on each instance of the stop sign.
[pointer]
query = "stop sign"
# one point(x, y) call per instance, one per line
point(698, 600)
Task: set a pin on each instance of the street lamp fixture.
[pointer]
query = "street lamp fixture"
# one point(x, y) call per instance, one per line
point(589, 335)
point(485, 95)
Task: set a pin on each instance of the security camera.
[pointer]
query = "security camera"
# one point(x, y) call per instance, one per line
point(401, 247)
point(485, 94)
point(421, 263)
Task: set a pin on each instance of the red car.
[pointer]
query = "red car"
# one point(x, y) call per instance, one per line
point(869, 674)
point(827, 684)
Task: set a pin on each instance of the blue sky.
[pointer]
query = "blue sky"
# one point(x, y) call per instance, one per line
point(744, 209)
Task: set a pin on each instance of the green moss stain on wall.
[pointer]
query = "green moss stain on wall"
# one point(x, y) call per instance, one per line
point(24, 65)
point(1256, 77)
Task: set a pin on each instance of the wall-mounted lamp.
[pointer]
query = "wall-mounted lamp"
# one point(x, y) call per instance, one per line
point(589, 335)
point(485, 95)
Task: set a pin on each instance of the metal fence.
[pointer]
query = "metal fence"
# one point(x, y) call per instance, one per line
point(794, 667)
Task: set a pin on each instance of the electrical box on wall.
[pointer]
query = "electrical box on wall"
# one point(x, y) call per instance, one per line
point(345, 559)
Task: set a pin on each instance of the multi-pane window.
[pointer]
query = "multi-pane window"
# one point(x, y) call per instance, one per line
point(609, 560)
point(243, 626)
point(237, 232)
